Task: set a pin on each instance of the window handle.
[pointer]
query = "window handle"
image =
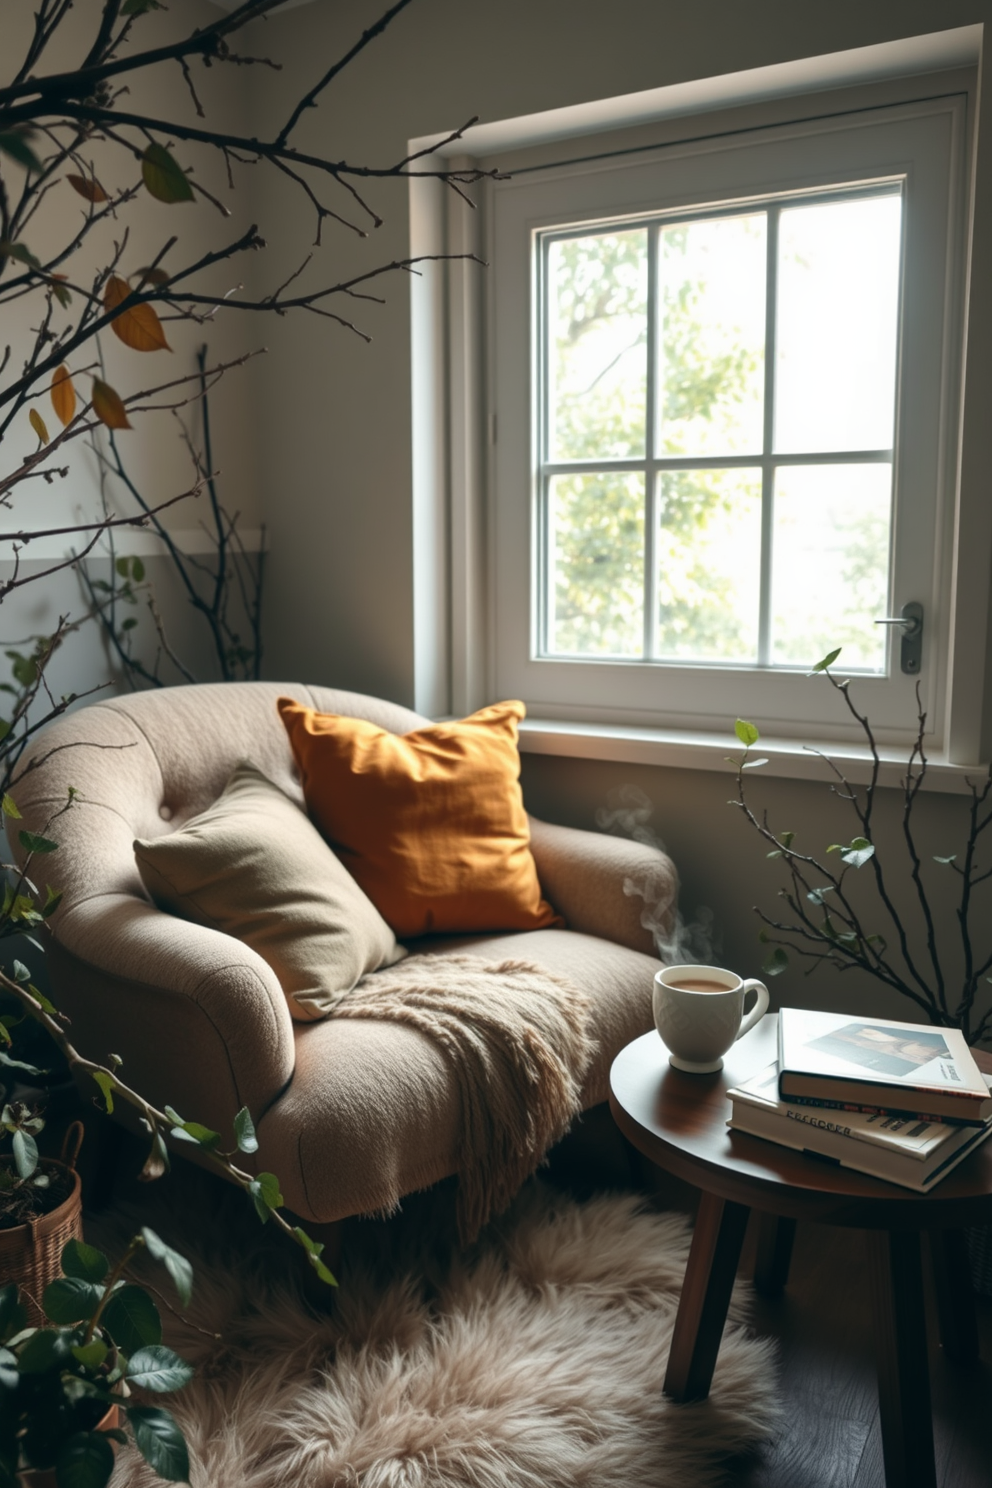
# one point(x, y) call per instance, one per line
point(911, 620)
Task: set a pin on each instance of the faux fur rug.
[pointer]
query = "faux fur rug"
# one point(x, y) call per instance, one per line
point(516, 1039)
point(534, 1360)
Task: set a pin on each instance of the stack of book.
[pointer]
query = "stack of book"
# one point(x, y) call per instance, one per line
point(894, 1100)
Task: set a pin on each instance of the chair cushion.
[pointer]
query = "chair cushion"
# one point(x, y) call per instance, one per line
point(253, 866)
point(430, 823)
point(339, 1150)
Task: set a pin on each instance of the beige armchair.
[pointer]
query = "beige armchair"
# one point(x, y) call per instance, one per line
point(349, 1113)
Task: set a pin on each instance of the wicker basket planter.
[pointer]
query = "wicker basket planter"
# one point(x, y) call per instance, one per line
point(29, 1253)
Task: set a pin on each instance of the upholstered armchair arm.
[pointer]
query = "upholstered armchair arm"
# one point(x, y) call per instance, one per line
point(606, 886)
point(211, 1031)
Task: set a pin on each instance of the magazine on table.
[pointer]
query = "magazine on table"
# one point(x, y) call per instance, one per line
point(878, 1064)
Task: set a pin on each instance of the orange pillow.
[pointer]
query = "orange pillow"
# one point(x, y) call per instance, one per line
point(430, 824)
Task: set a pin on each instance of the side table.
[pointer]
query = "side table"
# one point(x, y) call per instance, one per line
point(679, 1121)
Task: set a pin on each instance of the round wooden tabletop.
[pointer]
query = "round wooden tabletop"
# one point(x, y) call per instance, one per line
point(680, 1122)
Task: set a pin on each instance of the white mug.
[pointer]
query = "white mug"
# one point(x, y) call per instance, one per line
point(698, 1011)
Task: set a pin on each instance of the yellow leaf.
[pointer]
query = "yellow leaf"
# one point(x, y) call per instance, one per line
point(90, 189)
point(38, 425)
point(138, 326)
point(108, 407)
point(63, 395)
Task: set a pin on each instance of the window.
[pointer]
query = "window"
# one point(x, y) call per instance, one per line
point(716, 413)
point(723, 385)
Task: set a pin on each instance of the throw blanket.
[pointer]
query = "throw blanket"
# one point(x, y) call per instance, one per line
point(517, 1041)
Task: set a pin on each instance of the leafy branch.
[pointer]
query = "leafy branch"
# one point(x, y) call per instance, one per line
point(826, 927)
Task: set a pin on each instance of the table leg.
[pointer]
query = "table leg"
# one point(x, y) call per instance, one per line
point(771, 1267)
point(709, 1281)
point(896, 1275)
point(955, 1297)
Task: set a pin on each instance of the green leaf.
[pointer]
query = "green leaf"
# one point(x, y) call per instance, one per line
point(163, 176)
point(106, 1085)
point(52, 901)
point(12, 1314)
point(34, 843)
point(86, 1461)
point(91, 1355)
point(265, 1193)
point(775, 963)
point(158, 1369)
point(131, 1318)
point(9, 807)
point(945, 861)
point(859, 852)
point(160, 1442)
point(828, 661)
point(70, 1300)
point(21, 252)
point(815, 896)
point(129, 624)
point(25, 1153)
point(314, 1250)
point(173, 1116)
point(194, 1132)
point(14, 142)
point(11, 1063)
point(753, 764)
point(177, 1265)
point(21, 973)
point(746, 732)
point(9, 1376)
point(137, 570)
point(121, 566)
point(46, 1349)
point(83, 1261)
point(244, 1131)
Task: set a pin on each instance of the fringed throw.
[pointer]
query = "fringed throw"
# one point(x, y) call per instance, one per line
point(517, 1041)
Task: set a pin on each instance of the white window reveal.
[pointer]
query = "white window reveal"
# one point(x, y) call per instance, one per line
point(724, 379)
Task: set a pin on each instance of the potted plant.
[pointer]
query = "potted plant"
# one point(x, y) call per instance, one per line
point(68, 1383)
point(824, 924)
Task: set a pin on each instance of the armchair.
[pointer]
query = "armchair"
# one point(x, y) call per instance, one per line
point(350, 1114)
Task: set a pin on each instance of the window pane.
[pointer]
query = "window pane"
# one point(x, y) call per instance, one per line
point(838, 302)
point(711, 289)
point(709, 565)
point(596, 538)
point(830, 565)
point(597, 346)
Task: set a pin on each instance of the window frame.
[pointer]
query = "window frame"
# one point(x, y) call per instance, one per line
point(453, 427)
point(848, 148)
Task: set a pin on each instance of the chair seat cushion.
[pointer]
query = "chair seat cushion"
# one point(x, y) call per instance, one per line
point(373, 1111)
point(254, 866)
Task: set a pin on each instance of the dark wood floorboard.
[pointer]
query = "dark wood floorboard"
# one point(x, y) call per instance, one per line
point(823, 1328)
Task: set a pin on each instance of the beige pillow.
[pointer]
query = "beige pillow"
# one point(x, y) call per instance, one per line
point(253, 866)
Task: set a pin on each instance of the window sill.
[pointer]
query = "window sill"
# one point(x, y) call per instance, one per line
point(787, 758)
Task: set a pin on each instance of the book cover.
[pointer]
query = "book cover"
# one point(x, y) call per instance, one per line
point(882, 1063)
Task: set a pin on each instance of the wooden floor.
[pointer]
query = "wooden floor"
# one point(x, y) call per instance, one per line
point(827, 1372)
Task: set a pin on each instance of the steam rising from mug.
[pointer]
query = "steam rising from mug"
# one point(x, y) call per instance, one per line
point(677, 941)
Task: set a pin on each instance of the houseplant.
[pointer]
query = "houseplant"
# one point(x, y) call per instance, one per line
point(66, 1383)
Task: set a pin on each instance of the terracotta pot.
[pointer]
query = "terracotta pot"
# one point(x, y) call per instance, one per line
point(30, 1253)
point(44, 1477)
